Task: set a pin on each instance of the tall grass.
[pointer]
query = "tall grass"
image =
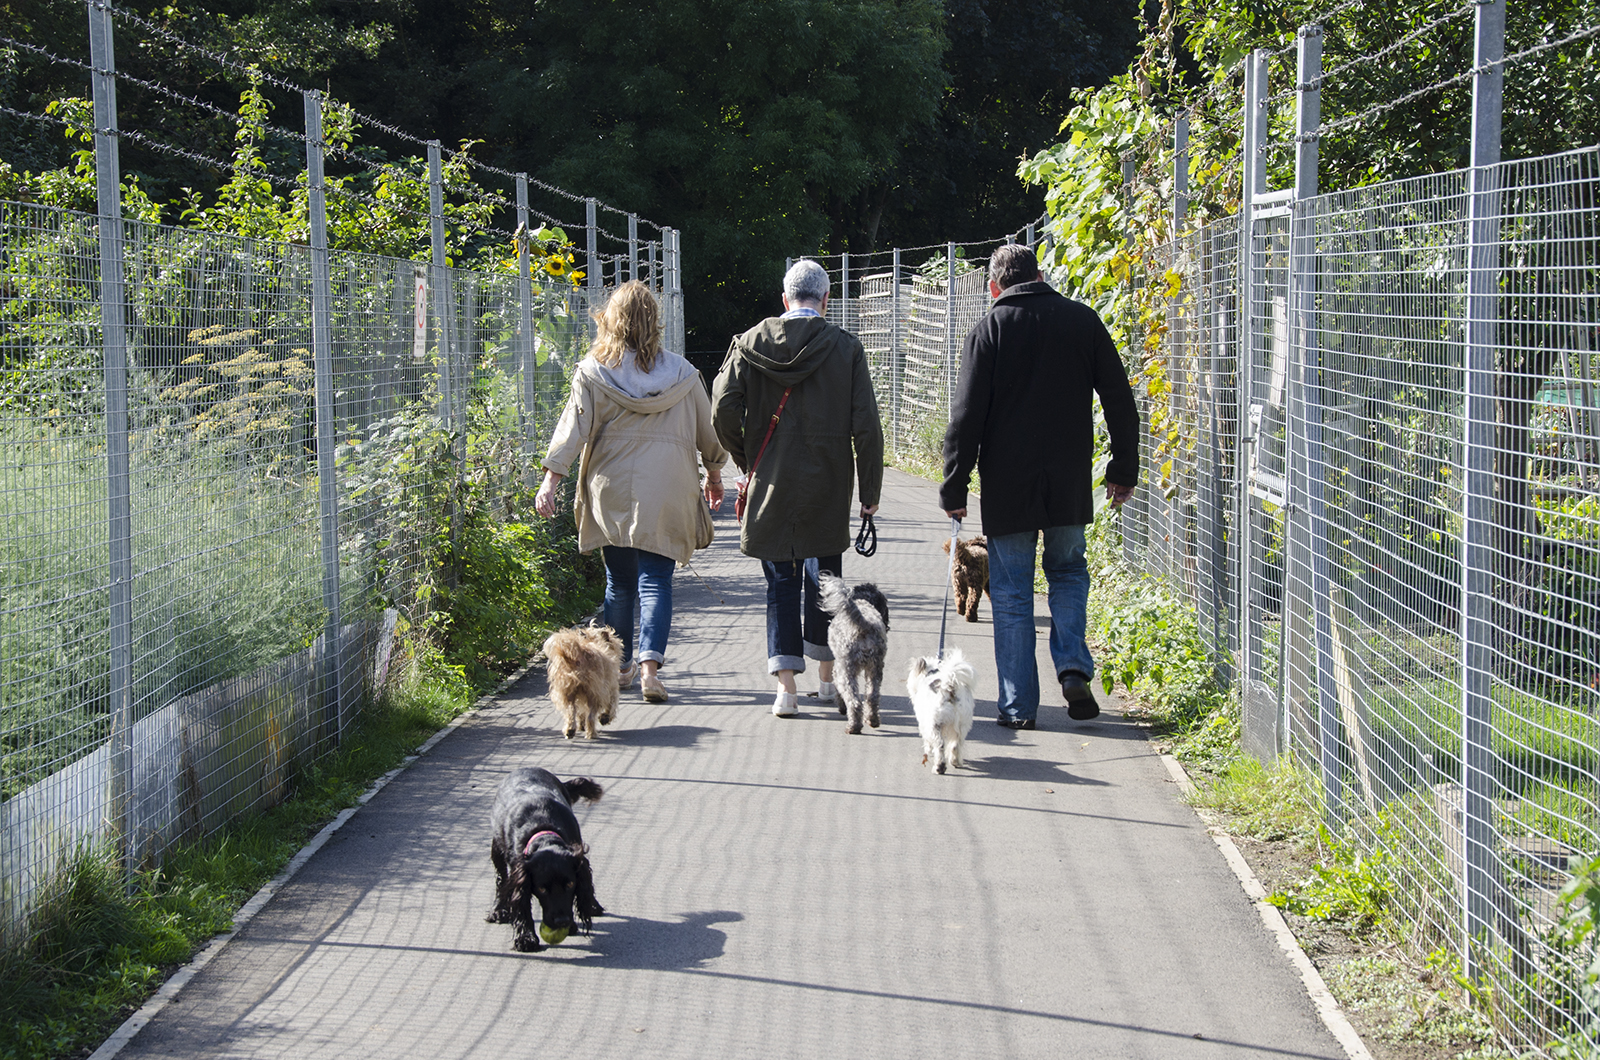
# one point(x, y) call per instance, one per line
point(226, 581)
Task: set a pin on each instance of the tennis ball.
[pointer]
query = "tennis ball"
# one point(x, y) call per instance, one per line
point(552, 936)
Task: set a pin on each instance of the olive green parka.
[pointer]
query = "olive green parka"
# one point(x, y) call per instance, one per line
point(828, 434)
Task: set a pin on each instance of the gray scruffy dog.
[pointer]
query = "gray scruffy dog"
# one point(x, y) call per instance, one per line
point(858, 635)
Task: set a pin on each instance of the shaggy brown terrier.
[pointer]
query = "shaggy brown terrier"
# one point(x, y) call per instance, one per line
point(971, 574)
point(584, 663)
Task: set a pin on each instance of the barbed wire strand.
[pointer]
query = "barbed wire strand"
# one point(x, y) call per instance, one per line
point(28, 46)
point(1346, 122)
point(1382, 53)
point(255, 71)
point(535, 182)
point(248, 69)
point(1526, 53)
point(47, 119)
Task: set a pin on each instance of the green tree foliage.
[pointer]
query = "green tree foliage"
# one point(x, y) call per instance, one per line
point(1013, 68)
point(760, 128)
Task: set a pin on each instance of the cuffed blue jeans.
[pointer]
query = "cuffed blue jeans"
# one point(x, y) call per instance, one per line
point(643, 580)
point(1066, 571)
point(797, 626)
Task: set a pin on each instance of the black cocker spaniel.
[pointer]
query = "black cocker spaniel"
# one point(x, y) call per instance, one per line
point(539, 853)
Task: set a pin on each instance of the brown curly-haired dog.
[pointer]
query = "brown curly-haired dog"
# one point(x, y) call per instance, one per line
point(971, 573)
point(584, 664)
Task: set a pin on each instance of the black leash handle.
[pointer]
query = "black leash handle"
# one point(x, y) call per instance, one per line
point(867, 536)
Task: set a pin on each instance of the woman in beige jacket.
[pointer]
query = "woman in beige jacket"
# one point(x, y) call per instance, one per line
point(635, 419)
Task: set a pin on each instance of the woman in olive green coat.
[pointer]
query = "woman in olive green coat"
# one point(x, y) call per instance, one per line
point(827, 440)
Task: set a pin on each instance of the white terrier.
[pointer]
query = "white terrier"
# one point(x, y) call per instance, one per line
point(941, 694)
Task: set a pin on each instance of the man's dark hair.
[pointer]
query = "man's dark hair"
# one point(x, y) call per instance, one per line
point(1012, 264)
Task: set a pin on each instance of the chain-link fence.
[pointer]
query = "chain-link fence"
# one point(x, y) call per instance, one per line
point(227, 463)
point(1377, 483)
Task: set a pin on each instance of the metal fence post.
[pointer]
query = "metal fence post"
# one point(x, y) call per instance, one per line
point(633, 246)
point(650, 261)
point(529, 345)
point(949, 326)
point(591, 272)
point(1254, 184)
point(896, 356)
point(119, 499)
point(1303, 279)
point(440, 281)
point(844, 290)
point(677, 287)
point(1477, 596)
point(1028, 237)
point(322, 356)
point(1180, 173)
point(673, 289)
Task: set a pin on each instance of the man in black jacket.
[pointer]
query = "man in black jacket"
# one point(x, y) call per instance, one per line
point(1023, 414)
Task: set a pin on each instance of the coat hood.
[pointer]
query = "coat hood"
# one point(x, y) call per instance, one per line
point(788, 350)
point(684, 377)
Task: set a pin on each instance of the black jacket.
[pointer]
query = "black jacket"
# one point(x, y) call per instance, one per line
point(1023, 413)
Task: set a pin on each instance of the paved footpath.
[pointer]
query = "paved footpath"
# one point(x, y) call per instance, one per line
point(777, 888)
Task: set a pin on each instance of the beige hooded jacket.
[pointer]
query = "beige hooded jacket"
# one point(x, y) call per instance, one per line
point(638, 485)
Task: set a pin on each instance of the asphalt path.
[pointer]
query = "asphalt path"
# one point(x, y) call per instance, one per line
point(775, 887)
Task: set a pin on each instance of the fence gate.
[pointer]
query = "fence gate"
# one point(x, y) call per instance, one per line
point(1264, 416)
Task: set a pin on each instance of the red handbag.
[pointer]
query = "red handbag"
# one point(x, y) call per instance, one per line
point(744, 482)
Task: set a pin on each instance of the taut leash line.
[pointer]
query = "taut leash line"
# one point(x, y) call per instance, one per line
point(949, 576)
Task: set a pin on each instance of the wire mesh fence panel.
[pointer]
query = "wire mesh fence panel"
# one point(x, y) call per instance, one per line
point(878, 323)
point(1339, 597)
point(240, 676)
point(1265, 360)
point(224, 517)
point(54, 593)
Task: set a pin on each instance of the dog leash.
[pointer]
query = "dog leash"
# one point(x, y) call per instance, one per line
point(949, 576)
point(690, 568)
point(867, 536)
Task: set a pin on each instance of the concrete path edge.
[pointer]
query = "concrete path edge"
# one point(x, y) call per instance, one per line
point(1327, 1006)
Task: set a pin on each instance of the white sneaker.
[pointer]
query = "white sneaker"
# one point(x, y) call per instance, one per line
point(827, 692)
point(787, 705)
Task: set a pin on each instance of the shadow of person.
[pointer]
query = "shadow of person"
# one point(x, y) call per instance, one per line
point(659, 945)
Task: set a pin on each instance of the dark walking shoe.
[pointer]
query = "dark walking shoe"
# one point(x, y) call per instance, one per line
point(1025, 724)
point(1080, 698)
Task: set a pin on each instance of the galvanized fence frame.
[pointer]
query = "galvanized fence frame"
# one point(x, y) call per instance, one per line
point(220, 461)
point(1384, 510)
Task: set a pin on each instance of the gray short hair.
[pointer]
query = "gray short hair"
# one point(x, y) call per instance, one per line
point(1012, 264)
point(806, 281)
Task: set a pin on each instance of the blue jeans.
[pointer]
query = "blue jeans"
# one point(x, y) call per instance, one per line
point(635, 577)
point(1011, 593)
point(797, 628)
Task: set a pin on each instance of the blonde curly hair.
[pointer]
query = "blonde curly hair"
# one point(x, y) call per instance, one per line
point(630, 320)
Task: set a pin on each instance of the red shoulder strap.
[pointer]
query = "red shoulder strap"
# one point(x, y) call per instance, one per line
point(770, 427)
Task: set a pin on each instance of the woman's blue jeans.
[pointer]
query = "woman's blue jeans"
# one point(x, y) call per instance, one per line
point(636, 579)
point(797, 627)
point(1066, 571)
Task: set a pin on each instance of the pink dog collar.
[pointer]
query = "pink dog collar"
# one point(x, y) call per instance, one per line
point(534, 838)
